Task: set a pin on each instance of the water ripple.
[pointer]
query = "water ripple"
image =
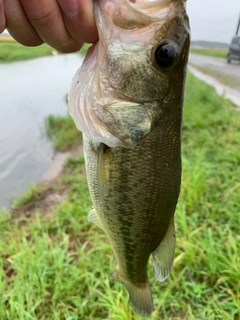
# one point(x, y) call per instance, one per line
point(31, 90)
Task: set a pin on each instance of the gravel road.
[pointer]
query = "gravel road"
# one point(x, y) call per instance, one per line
point(218, 67)
point(224, 77)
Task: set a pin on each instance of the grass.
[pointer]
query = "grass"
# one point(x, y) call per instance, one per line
point(56, 265)
point(30, 197)
point(13, 51)
point(63, 132)
point(219, 53)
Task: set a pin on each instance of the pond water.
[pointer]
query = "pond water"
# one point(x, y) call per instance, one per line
point(29, 92)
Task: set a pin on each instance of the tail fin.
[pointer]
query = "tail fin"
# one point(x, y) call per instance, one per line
point(140, 295)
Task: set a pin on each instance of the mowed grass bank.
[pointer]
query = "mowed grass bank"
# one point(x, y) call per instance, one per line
point(12, 51)
point(219, 53)
point(57, 266)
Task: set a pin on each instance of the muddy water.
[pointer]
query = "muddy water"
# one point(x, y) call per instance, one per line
point(29, 91)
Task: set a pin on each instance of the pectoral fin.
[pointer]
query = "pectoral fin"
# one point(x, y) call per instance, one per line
point(93, 217)
point(101, 173)
point(163, 256)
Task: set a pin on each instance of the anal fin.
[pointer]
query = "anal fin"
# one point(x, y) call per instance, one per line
point(93, 217)
point(163, 256)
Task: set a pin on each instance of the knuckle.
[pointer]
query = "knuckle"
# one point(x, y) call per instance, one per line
point(42, 18)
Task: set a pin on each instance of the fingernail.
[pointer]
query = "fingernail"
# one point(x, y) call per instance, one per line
point(69, 8)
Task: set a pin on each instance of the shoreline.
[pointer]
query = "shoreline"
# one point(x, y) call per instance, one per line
point(56, 167)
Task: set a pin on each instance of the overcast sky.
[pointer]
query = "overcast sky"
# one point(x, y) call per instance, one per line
point(213, 20)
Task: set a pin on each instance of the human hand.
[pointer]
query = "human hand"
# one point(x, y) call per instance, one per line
point(63, 24)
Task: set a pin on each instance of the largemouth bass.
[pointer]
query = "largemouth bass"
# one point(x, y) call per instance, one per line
point(127, 100)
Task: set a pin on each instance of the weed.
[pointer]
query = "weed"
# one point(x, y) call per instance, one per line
point(63, 132)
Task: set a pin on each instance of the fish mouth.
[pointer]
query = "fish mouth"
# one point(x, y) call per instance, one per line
point(139, 14)
point(153, 3)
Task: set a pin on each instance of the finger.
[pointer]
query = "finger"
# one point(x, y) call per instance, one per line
point(79, 19)
point(18, 24)
point(2, 17)
point(46, 18)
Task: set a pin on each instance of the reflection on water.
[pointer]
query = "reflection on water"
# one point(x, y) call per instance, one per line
point(29, 91)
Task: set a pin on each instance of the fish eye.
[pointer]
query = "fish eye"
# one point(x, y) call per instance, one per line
point(165, 55)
